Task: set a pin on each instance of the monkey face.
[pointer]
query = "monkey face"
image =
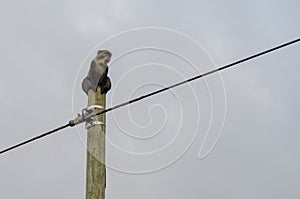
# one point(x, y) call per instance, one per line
point(103, 56)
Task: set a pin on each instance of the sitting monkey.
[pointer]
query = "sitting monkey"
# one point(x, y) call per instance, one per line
point(97, 76)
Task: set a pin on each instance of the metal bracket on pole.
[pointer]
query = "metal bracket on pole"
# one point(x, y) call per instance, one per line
point(85, 117)
point(93, 107)
point(93, 122)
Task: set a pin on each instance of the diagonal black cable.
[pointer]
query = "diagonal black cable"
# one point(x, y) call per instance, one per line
point(196, 77)
point(35, 138)
point(83, 119)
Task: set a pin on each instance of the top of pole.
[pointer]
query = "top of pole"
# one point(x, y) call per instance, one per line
point(96, 79)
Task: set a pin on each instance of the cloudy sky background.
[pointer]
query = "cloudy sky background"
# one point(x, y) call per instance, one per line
point(43, 44)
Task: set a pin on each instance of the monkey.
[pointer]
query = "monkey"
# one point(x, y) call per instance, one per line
point(97, 75)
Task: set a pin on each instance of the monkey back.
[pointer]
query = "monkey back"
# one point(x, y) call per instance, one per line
point(97, 75)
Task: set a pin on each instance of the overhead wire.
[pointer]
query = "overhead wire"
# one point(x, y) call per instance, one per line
point(195, 78)
point(35, 138)
point(84, 119)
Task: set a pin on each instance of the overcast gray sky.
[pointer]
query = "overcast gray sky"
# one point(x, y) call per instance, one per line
point(43, 44)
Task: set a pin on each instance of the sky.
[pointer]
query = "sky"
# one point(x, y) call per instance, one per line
point(46, 48)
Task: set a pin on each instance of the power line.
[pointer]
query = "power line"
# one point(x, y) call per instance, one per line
point(196, 77)
point(35, 138)
point(83, 118)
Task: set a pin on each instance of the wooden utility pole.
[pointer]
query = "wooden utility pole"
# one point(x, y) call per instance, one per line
point(96, 85)
point(95, 166)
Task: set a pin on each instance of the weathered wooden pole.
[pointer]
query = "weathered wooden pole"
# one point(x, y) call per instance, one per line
point(96, 85)
point(95, 166)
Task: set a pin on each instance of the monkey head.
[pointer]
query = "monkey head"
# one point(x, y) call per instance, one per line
point(103, 57)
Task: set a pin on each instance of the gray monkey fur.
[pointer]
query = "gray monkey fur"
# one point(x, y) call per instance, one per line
point(97, 75)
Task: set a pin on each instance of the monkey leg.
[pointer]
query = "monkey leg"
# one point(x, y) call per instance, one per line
point(106, 85)
point(86, 85)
